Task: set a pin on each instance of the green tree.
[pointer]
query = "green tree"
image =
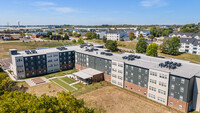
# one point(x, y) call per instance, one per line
point(111, 45)
point(141, 45)
point(174, 45)
point(73, 41)
point(22, 34)
point(66, 37)
point(60, 31)
point(6, 84)
point(49, 33)
point(76, 34)
point(152, 50)
point(164, 46)
point(104, 39)
point(121, 39)
point(19, 102)
point(132, 36)
point(80, 40)
point(141, 36)
point(88, 35)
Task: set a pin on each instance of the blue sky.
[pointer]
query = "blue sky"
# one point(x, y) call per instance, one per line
point(97, 12)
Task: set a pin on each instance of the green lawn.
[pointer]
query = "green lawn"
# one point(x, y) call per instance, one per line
point(78, 86)
point(68, 80)
point(64, 85)
point(62, 73)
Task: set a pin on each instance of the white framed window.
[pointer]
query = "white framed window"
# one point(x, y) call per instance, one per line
point(181, 98)
point(182, 81)
point(180, 106)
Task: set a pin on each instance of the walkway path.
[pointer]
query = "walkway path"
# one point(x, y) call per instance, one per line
point(67, 84)
point(74, 83)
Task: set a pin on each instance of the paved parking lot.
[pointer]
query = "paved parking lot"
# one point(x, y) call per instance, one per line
point(5, 63)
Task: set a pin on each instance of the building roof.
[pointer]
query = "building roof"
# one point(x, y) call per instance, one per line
point(187, 70)
point(192, 41)
point(82, 75)
point(91, 71)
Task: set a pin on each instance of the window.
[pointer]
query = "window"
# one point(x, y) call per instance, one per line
point(161, 99)
point(119, 83)
point(171, 103)
point(182, 81)
point(163, 76)
point(119, 71)
point(120, 65)
point(140, 69)
point(172, 86)
point(173, 78)
point(172, 94)
point(153, 73)
point(113, 81)
point(126, 86)
point(38, 57)
point(131, 88)
point(131, 74)
point(114, 63)
point(152, 88)
point(139, 77)
point(180, 106)
point(139, 83)
point(181, 98)
point(181, 89)
point(138, 90)
point(131, 81)
point(161, 92)
point(145, 85)
point(146, 72)
point(119, 77)
point(152, 96)
point(145, 93)
point(162, 84)
point(131, 67)
point(153, 81)
point(113, 75)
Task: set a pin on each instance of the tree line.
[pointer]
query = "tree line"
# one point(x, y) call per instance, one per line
point(18, 102)
point(170, 47)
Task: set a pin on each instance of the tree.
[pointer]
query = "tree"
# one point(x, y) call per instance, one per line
point(73, 41)
point(49, 33)
point(152, 50)
point(141, 36)
point(60, 31)
point(18, 102)
point(22, 34)
point(132, 36)
point(111, 45)
point(88, 35)
point(121, 39)
point(164, 46)
point(39, 30)
point(174, 45)
point(6, 84)
point(104, 39)
point(80, 40)
point(151, 37)
point(76, 34)
point(66, 37)
point(141, 45)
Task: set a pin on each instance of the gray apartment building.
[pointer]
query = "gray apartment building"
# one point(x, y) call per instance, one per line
point(171, 82)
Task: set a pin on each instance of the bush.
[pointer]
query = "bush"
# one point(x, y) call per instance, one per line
point(112, 45)
point(152, 50)
point(73, 41)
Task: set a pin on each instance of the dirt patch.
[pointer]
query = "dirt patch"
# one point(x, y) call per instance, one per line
point(50, 89)
point(112, 99)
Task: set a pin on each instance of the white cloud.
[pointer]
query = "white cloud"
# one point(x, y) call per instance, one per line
point(42, 3)
point(63, 9)
point(153, 3)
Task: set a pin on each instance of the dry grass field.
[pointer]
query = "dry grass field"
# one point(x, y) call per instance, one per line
point(112, 99)
point(50, 89)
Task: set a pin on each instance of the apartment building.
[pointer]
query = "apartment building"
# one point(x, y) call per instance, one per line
point(32, 63)
point(190, 45)
point(171, 82)
point(115, 35)
point(185, 35)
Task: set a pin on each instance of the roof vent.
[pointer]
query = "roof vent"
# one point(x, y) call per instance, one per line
point(170, 65)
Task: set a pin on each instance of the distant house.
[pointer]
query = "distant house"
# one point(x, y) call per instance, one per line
point(37, 35)
point(145, 33)
point(115, 35)
point(185, 35)
point(190, 45)
point(101, 34)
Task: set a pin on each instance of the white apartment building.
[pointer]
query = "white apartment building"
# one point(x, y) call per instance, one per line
point(115, 35)
point(117, 73)
point(190, 45)
point(158, 86)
